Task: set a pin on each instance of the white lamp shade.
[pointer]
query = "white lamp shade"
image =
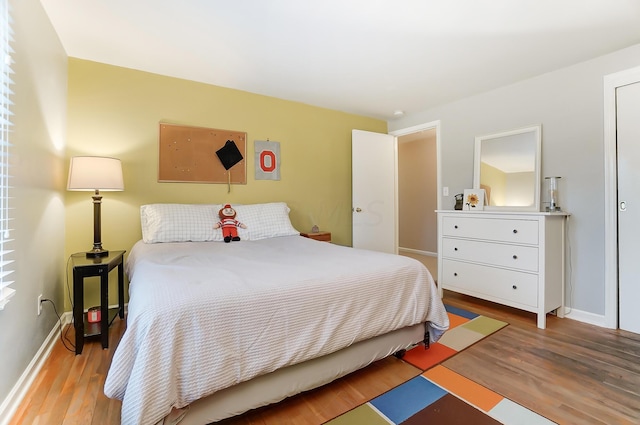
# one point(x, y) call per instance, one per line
point(95, 173)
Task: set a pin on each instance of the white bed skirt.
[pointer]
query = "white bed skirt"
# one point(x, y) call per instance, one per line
point(283, 383)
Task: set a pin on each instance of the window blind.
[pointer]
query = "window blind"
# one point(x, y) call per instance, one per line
point(6, 259)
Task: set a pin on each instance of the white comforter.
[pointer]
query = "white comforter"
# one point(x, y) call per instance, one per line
point(204, 316)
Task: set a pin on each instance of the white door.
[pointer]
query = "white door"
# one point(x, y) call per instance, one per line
point(628, 148)
point(374, 158)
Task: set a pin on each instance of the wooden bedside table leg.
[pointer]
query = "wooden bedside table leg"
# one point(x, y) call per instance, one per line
point(104, 308)
point(78, 319)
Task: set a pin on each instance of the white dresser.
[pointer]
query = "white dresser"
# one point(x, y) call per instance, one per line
point(511, 258)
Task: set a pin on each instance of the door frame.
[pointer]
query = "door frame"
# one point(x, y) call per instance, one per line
point(610, 83)
point(433, 125)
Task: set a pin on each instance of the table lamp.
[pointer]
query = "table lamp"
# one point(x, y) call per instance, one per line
point(552, 183)
point(95, 173)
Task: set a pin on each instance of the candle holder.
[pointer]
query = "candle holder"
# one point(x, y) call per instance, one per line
point(552, 190)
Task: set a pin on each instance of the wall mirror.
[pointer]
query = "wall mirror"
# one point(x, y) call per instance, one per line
point(507, 167)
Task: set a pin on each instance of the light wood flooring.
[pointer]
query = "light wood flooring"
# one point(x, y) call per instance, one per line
point(572, 373)
point(430, 262)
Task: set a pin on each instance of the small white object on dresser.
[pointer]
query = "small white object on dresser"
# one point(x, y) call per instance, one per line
point(511, 258)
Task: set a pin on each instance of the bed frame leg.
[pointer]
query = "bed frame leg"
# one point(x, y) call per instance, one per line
point(427, 340)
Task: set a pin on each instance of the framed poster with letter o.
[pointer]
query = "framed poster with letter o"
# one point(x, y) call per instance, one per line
point(267, 160)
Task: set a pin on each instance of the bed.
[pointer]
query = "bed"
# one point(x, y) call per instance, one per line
point(222, 328)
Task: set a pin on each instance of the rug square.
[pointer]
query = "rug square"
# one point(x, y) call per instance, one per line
point(460, 338)
point(510, 413)
point(460, 312)
point(455, 320)
point(473, 393)
point(361, 415)
point(450, 410)
point(424, 359)
point(407, 399)
point(485, 325)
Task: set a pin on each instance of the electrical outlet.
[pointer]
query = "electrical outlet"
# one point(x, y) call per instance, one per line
point(39, 304)
point(445, 191)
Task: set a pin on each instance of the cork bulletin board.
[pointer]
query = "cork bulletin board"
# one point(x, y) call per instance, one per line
point(188, 154)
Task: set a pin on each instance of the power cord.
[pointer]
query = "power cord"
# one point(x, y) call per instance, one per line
point(569, 308)
point(66, 280)
point(63, 335)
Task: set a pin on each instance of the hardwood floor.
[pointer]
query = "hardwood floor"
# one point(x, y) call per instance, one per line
point(572, 373)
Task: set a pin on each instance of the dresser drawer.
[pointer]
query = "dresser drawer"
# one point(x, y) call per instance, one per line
point(509, 286)
point(491, 253)
point(494, 229)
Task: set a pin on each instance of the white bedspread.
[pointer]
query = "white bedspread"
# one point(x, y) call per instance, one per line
point(204, 316)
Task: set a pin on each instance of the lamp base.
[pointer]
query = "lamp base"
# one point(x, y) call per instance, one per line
point(97, 253)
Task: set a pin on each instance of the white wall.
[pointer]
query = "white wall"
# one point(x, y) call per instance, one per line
point(40, 66)
point(568, 103)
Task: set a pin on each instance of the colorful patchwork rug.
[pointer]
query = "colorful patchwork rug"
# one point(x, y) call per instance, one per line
point(439, 395)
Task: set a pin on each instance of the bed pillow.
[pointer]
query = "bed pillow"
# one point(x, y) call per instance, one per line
point(179, 223)
point(264, 221)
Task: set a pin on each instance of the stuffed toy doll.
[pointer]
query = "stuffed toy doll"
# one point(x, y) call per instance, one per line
point(229, 224)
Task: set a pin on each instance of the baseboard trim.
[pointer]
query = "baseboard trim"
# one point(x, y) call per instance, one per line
point(585, 317)
point(419, 252)
point(19, 390)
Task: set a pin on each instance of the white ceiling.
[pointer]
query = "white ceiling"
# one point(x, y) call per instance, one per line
point(369, 57)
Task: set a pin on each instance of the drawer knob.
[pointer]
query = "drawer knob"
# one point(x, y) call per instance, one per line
point(515, 257)
point(455, 248)
point(515, 230)
point(515, 287)
point(455, 227)
point(455, 274)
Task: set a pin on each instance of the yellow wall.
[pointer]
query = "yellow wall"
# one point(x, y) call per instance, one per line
point(115, 111)
point(494, 181)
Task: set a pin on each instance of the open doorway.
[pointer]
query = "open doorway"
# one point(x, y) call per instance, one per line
point(418, 189)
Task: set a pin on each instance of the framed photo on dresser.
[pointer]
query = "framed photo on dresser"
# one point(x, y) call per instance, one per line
point(473, 200)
